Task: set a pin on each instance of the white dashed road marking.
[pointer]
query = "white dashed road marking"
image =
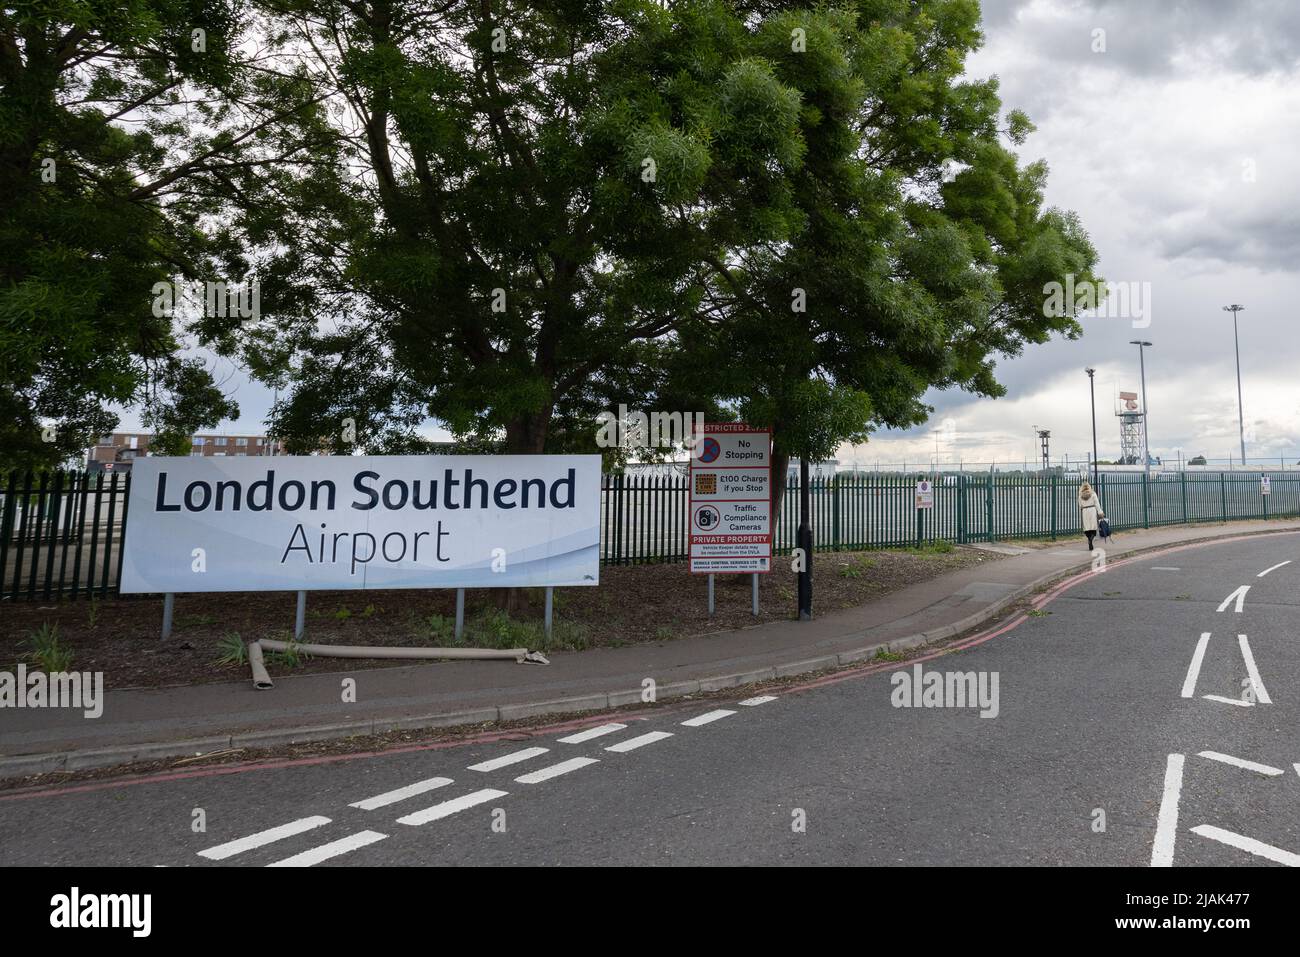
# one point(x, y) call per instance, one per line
point(631, 744)
point(333, 849)
point(1162, 851)
point(1249, 844)
point(508, 759)
point(707, 718)
point(401, 794)
point(1165, 568)
point(262, 838)
point(590, 733)
point(761, 699)
point(1241, 763)
point(1194, 670)
point(555, 770)
point(1222, 700)
point(1261, 695)
point(1239, 595)
point(1273, 568)
point(448, 808)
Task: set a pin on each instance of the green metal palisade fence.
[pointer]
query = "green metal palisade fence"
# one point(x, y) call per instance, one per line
point(61, 532)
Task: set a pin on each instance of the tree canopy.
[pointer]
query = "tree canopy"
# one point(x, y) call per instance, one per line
point(125, 127)
point(510, 216)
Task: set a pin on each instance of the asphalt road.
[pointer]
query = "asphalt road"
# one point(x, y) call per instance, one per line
point(1105, 750)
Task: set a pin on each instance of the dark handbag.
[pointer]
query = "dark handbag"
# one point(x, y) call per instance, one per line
point(1103, 528)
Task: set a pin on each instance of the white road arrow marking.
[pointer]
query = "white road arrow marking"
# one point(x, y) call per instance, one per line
point(1220, 698)
point(1273, 568)
point(1162, 851)
point(1194, 670)
point(1241, 763)
point(1260, 694)
point(1240, 595)
point(1249, 844)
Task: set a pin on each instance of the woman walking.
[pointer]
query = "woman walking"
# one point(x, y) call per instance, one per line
point(1089, 511)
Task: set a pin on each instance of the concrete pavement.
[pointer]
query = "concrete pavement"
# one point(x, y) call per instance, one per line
point(141, 725)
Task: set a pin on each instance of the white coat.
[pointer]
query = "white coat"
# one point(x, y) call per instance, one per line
point(1089, 511)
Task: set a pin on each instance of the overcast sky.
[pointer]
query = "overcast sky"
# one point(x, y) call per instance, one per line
point(1175, 144)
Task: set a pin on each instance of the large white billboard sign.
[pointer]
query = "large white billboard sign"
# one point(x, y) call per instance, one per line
point(340, 522)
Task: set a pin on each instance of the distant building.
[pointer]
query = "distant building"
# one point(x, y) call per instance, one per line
point(116, 452)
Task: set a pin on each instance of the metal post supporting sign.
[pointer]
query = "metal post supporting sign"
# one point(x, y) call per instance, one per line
point(924, 502)
point(169, 603)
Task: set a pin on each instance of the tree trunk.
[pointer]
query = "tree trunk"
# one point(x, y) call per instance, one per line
point(780, 463)
point(525, 435)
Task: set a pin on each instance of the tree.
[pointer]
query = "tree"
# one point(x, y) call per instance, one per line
point(923, 251)
point(117, 121)
point(534, 211)
point(501, 236)
point(1196, 460)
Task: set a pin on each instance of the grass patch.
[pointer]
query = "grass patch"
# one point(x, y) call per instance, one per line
point(46, 650)
point(886, 655)
point(195, 621)
point(233, 650)
point(929, 549)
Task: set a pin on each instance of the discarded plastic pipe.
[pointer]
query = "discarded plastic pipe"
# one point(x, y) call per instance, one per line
point(261, 680)
point(519, 655)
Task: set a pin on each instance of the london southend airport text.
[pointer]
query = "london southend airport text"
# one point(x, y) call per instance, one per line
point(463, 492)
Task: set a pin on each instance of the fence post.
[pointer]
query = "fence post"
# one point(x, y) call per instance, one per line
point(1223, 495)
point(1183, 477)
point(1053, 506)
point(961, 509)
point(1146, 500)
point(835, 512)
point(988, 506)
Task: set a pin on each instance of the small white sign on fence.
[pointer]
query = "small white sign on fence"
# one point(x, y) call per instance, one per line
point(924, 494)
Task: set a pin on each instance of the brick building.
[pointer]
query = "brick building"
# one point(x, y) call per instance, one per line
point(114, 453)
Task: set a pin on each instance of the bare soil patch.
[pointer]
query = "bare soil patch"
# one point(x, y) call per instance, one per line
point(632, 604)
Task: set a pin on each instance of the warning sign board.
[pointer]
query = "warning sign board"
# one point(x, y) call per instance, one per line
point(731, 500)
point(924, 494)
point(1265, 485)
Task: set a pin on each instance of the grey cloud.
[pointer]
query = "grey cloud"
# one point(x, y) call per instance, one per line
point(1147, 38)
